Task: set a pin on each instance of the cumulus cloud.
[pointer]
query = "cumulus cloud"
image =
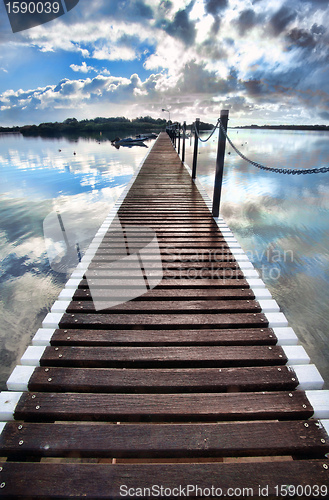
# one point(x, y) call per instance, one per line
point(194, 54)
point(83, 68)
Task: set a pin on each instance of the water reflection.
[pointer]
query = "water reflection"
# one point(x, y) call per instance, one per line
point(282, 222)
point(40, 177)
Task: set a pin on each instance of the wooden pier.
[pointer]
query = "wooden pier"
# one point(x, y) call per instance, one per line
point(188, 384)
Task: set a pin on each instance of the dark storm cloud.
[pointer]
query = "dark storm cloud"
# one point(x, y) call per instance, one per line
point(214, 7)
point(181, 27)
point(318, 29)
point(247, 20)
point(281, 19)
point(301, 38)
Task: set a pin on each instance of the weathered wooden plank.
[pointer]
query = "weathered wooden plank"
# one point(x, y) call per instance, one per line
point(103, 481)
point(166, 440)
point(45, 406)
point(179, 294)
point(184, 283)
point(178, 356)
point(167, 266)
point(172, 306)
point(163, 321)
point(231, 272)
point(242, 336)
point(106, 380)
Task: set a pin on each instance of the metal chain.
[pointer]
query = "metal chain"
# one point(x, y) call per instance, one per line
point(276, 170)
point(212, 132)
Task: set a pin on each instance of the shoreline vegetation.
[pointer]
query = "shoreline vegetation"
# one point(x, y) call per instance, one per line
point(108, 128)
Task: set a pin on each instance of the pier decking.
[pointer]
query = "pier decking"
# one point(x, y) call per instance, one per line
point(194, 382)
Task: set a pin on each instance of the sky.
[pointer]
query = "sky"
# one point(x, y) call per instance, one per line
point(264, 60)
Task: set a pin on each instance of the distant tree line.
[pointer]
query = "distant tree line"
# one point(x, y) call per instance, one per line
point(288, 127)
point(72, 126)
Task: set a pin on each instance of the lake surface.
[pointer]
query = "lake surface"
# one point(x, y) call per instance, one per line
point(281, 221)
point(42, 179)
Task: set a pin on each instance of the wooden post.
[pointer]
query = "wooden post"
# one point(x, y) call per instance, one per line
point(195, 154)
point(220, 163)
point(178, 151)
point(183, 148)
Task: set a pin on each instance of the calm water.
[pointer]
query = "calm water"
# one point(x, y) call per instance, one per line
point(39, 178)
point(282, 222)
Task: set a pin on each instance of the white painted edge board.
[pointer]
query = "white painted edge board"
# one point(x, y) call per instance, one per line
point(43, 337)
point(308, 376)
point(32, 355)
point(60, 306)
point(296, 355)
point(52, 320)
point(285, 335)
point(19, 378)
point(325, 425)
point(269, 305)
point(8, 403)
point(320, 403)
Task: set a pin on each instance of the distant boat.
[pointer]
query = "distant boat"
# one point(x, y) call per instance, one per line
point(129, 142)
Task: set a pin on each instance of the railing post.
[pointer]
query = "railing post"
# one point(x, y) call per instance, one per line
point(195, 154)
point(183, 148)
point(178, 151)
point(220, 163)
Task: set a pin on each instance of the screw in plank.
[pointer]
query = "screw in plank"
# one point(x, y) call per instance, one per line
point(280, 355)
point(65, 331)
point(21, 442)
point(279, 370)
point(56, 348)
point(293, 379)
point(37, 407)
point(306, 424)
point(33, 396)
point(2, 485)
point(323, 441)
point(20, 427)
point(68, 338)
point(325, 466)
point(304, 406)
point(50, 379)
point(46, 369)
point(1, 469)
point(270, 348)
point(290, 395)
point(60, 355)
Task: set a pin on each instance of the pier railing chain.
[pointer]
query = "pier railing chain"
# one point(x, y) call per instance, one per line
point(289, 171)
point(211, 134)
